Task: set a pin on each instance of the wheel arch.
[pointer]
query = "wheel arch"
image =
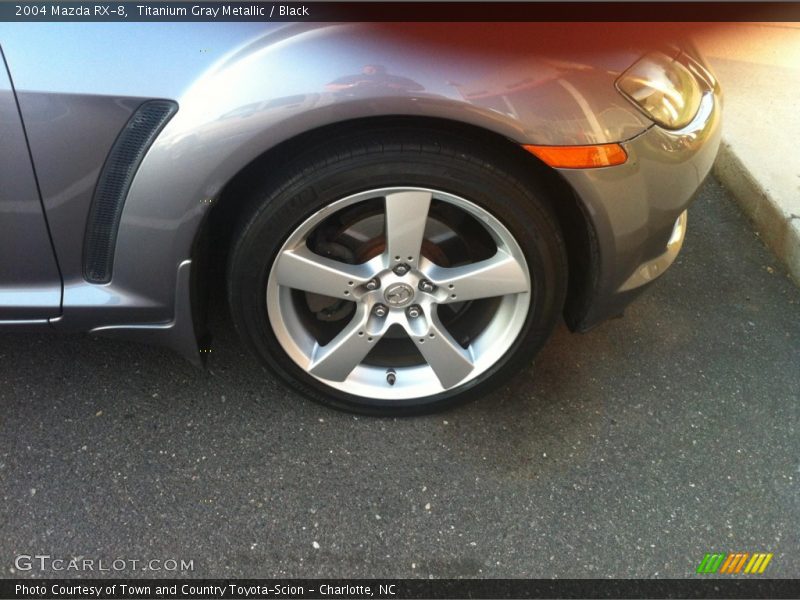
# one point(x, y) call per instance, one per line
point(214, 238)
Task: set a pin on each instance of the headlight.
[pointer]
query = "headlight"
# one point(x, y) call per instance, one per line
point(663, 88)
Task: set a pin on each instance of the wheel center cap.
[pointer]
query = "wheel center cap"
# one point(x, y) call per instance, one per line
point(399, 294)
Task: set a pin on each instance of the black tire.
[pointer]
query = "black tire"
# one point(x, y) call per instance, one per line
point(460, 164)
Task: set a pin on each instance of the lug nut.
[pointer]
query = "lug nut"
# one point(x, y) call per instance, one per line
point(426, 286)
point(373, 284)
point(414, 311)
point(380, 310)
point(401, 269)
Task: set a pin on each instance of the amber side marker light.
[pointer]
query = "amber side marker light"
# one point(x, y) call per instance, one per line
point(579, 157)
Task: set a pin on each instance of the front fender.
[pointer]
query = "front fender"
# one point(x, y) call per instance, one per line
point(297, 78)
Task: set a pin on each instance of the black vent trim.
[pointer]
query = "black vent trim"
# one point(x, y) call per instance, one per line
point(112, 186)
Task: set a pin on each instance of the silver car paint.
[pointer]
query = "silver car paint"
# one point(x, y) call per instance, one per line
point(243, 89)
point(30, 287)
point(664, 167)
point(70, 136)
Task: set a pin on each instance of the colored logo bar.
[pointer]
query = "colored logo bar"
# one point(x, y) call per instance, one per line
point(734, 563)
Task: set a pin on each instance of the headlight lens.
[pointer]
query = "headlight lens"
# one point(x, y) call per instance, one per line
point(663, 88)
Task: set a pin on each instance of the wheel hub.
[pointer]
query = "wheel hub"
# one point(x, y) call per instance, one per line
point(398, 295)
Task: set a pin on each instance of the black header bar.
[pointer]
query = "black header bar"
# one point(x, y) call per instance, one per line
point(259, 11)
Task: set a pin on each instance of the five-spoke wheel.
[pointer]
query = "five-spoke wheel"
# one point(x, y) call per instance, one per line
point(397, 271)
point(403, 289)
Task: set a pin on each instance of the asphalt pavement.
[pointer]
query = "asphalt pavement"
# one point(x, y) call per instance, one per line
point(630, 451)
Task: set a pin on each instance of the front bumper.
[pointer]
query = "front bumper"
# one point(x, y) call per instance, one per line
point(634, 209)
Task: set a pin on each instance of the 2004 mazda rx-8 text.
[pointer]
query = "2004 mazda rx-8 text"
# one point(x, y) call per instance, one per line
point(399, 213)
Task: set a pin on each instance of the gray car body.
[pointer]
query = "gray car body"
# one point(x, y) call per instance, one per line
point(244, 89)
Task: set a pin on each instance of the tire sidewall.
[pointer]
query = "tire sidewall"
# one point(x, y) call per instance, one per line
point(279, 213)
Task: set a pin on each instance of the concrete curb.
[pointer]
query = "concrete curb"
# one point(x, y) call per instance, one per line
point(779, 230)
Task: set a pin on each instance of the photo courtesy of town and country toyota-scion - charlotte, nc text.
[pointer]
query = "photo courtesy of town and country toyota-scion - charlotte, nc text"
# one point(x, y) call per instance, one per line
point(189, 590)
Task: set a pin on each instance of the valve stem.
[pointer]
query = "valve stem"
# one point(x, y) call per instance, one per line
point(391, 376)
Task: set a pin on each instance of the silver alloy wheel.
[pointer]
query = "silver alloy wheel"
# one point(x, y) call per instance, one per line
point(400, 299)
